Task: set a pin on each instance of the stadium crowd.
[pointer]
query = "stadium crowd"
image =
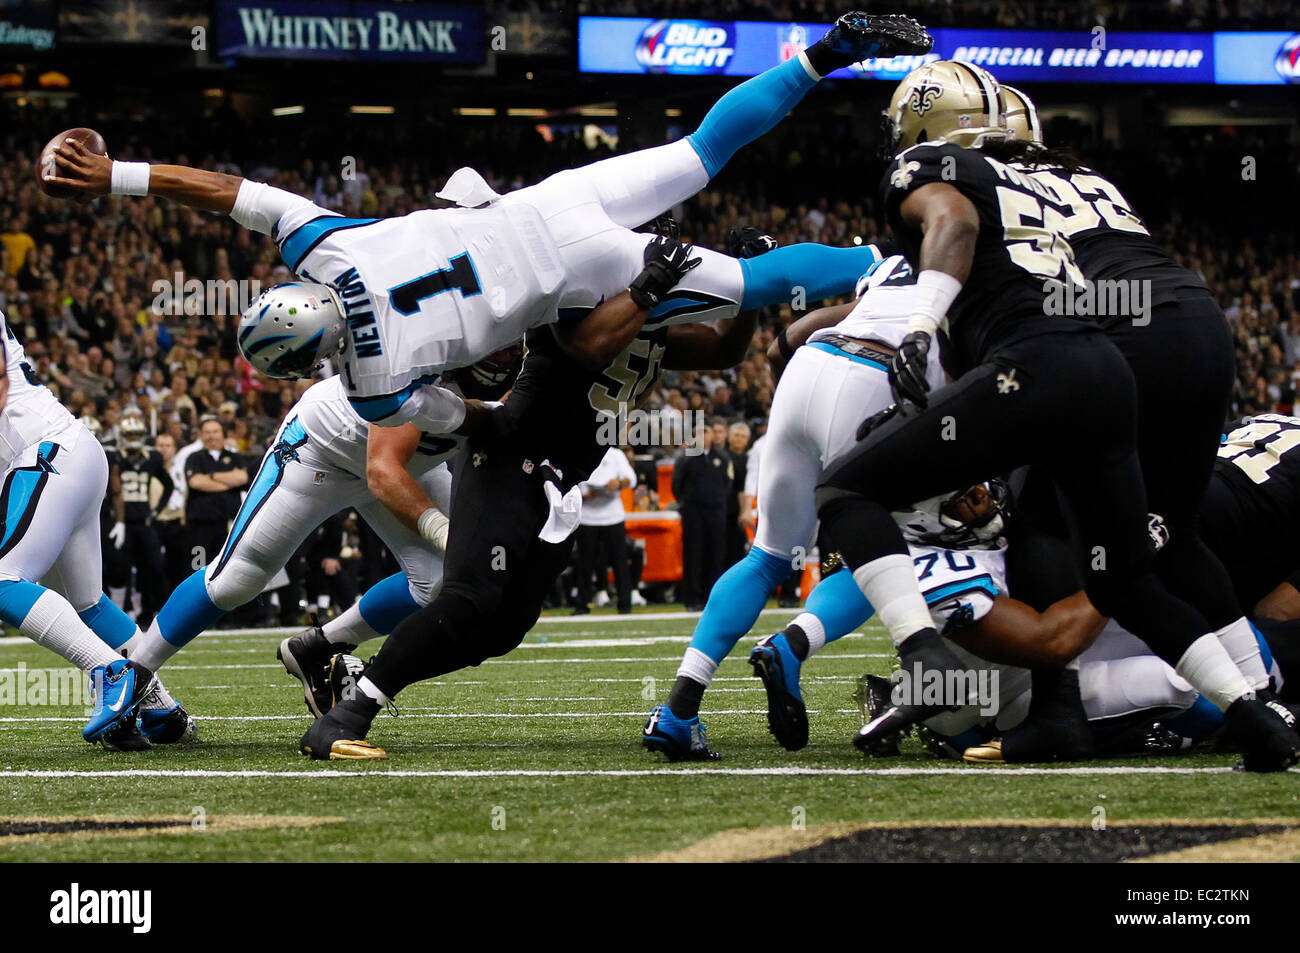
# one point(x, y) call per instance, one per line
point(99, 298)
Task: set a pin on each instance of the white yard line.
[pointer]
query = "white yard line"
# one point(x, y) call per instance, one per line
point(684, 771)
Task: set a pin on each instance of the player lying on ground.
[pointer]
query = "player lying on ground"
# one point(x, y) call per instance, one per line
point(978, 233)
point(1178, 344)
point(55, 474)
point(397, 301)
point(1124, 687)
point(325, 459)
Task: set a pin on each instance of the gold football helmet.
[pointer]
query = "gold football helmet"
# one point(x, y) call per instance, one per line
point(1021, 116)
point(946, 99)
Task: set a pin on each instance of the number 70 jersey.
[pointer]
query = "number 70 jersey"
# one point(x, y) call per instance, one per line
point(426, 292)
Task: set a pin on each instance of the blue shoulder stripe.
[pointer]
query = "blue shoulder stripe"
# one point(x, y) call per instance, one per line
point(298, 244)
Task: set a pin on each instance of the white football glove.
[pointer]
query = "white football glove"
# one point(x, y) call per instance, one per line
point(118, 535)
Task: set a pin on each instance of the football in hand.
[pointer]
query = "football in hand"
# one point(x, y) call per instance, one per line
point(46, 163)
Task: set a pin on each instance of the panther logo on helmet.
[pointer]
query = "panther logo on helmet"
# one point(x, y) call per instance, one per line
point(292, 329)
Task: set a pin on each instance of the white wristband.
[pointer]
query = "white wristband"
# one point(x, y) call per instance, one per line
point(434, 527)
point(129, 178)
point(935, 292)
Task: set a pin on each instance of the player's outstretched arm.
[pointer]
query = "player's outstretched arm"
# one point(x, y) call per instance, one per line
point(1012, 633)
point(79, 168)
point(603, 334)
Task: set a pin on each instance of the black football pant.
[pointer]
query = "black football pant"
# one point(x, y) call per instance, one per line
point(1184, 364)
point(143, 550)
point(1064, 402)
point(495, 576)
point(704, 532)
point(600, 547)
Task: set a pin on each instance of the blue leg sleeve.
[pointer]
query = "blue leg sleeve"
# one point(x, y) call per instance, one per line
point(387, 603)
point(822, 271)
point(749, 111)
point(17, 596)
point(188, 611)
point(1202, 719)
point(839, 604)
point(106, 619)
point(736, 600)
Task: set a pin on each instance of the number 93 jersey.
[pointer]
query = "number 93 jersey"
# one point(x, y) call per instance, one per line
point(1020, 247)
point(426, 292)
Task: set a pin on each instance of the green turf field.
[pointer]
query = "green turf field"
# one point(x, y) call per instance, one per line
point(537, 757)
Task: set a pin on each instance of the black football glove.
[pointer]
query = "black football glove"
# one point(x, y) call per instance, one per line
point(666, 261)
point(867, 426)
point(666, 226)
point(748, 242)
point(907, 369)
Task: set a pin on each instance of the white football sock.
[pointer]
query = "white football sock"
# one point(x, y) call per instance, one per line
point(153, 650)
point(889, 583)
point(1210, 669)
point(368, 688)
point(1238, 638)
point(697, 666)
point(814, 630)
point(349, 628)
point(53, 623)
point(131, 644)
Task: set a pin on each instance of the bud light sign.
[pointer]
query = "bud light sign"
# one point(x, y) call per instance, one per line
point(686, 46)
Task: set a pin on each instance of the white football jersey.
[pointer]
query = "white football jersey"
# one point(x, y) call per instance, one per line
point(959, 585)
point(425, 292)
point(340, 434)
point(886, 301)
point(32, 413)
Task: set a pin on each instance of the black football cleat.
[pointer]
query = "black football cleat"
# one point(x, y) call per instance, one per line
point(1264, 733)
point(342, 674)
point(125, 736)
point(340, 735)
point(777, 667)
point(1055, 729)
point(880, 736)
point(859, 36)
point(306, 656)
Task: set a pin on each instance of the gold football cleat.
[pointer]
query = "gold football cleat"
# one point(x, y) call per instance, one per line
point(346, 750)
point(988, 753)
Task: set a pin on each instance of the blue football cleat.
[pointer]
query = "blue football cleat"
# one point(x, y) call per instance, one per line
point(777, 667)
point(681, 739)
point(119, 689)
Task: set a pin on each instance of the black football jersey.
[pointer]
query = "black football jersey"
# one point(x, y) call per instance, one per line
point(1251, 516)
point(1110, 241)
point(576, 400)
point(136, 472)
point(1019, 251)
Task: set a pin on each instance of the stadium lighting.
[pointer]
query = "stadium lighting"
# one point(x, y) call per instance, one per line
point(288, 110)
point(597, 111)
point(371, 110)
point(528, 112)
point(475, 111)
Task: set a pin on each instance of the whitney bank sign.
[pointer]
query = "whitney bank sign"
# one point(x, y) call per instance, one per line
point(342, 30)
